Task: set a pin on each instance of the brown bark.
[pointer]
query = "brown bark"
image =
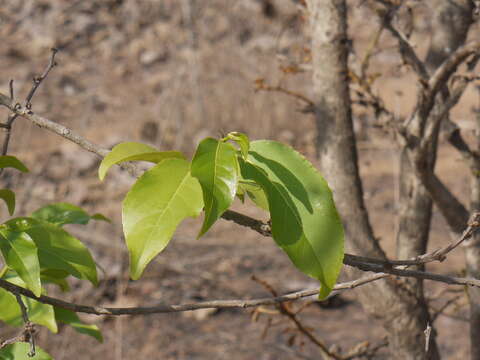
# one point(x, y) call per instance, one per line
point(451, 22)
point(472, 257)
point(404, 317)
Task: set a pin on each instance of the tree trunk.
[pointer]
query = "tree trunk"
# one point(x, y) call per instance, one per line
point(472, 256)
point(404, 317)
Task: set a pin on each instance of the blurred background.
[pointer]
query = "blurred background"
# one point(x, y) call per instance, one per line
point(170, 73)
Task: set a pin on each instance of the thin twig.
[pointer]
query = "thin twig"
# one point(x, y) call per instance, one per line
point(165, 308)
point(406, 49)
point(381, 273)
point(285, 310)
point(441, 310)
point(37, 81)
point(436, 255)
point(261, 86)
point(29, 328)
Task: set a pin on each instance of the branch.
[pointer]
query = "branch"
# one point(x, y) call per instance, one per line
point(216, 304)
point(10, 102)
point(455, 138)
point(407, 51)
point(261, 86)
point(442, 112)
point(38, 80)
point(454, 212)
point(449, 66)
point(292, 315)
point(380, 273)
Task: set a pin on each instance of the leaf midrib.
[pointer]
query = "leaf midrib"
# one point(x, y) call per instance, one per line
point(209, 212)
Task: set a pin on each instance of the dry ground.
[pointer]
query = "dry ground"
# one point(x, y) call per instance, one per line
point(170, 74)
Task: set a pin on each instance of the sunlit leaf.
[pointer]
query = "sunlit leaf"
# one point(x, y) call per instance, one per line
point(70, 318)
point(242, 140)
point(160, 199)
point(305, 222)
point(215, 166)
point(20, 350)
point(133, 151)
point(57, 249)
point(20, 254)
point(7, 161)
point(9, 197)
point(65, 213)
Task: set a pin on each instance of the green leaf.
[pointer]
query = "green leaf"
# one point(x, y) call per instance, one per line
point(160, 199)
point(9, 197)
point(100, 217)
point(70, 318)
point(255, 193)
point(241, 139)
point(20, 254)
point(57, 249)
point(20, 350)
point(11, 314)
point(215, 166)
point(241, 193)
point(7, 161)
point(57, 277)
point(132, 151)
point(305, 222)
point(65, 213)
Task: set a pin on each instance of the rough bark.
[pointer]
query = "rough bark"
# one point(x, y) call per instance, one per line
point(472, 257)
point(451, 22)
point(398, 309)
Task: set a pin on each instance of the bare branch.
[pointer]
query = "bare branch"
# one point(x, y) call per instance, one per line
point(444, 109)
point(437, 255)
point(69, 134)
point(38, 80)
point(292, 315)
point(450, 65)
point(454, 212)
point(12, 117)
point(406, 49)
point(380, 273)
point(261, 86)
point(29, 328)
